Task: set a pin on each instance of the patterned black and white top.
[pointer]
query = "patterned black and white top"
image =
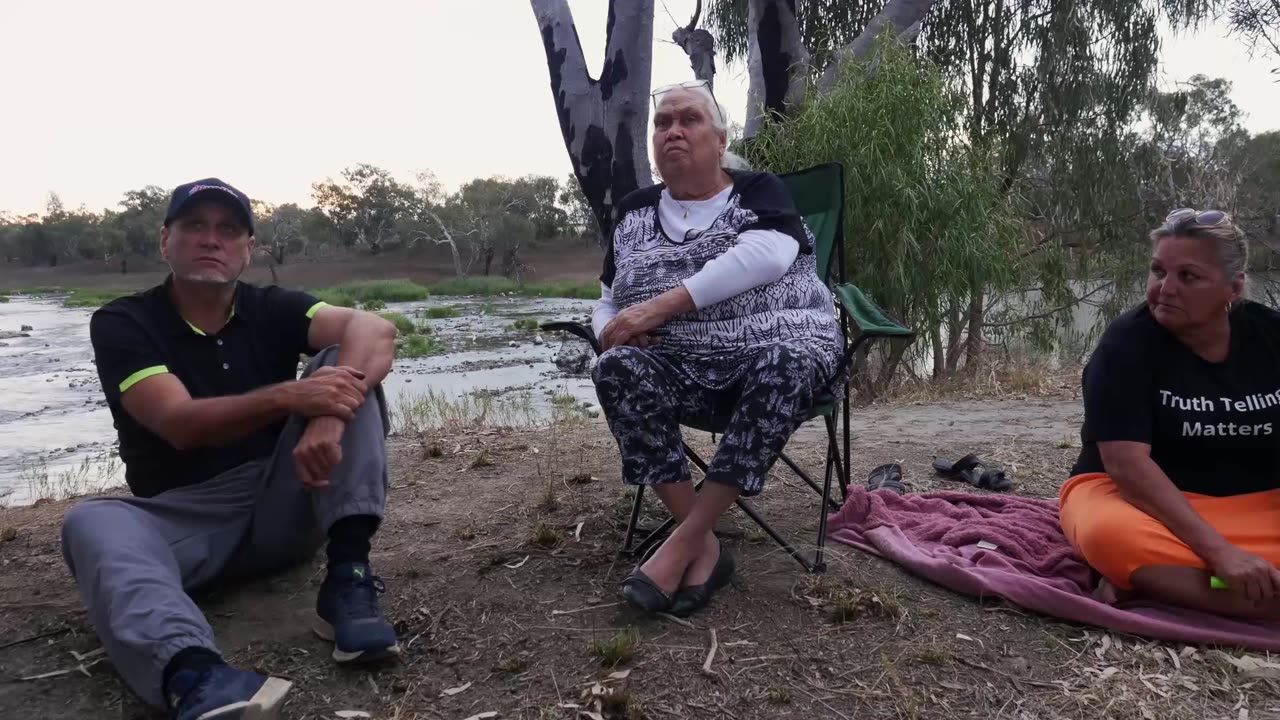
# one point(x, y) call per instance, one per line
point(714, 343)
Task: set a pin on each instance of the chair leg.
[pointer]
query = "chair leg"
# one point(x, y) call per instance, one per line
point(819, 565)
point(803, 475)
point(755, 515)
point(635, 517)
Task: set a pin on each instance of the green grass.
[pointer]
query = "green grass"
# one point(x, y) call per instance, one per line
point(335, 297)
point(76, 297)
point(403, 324)
point(618, 649)
point(370, 292)
point(39, 290)
point(441, 312)
point(93, 298)
point(525, 324)
point(416, 346)
point(496, 285)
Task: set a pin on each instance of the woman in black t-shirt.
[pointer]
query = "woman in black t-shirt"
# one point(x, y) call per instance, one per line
point(1176, 494)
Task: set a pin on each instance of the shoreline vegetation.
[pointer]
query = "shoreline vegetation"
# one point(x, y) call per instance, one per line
point(366, 294)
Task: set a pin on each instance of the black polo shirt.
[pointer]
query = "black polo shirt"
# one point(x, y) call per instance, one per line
point(143, 335)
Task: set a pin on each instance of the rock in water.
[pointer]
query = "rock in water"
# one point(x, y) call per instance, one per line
point(27, 328)
point(574, 357)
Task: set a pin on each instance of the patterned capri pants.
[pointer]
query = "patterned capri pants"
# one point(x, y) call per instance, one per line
point(645, 398)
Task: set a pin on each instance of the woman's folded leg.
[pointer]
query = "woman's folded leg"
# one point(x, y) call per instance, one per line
point(1137, 552)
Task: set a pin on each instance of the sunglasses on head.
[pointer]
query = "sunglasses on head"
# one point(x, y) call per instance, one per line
point(656, 95)
point(1205, 218)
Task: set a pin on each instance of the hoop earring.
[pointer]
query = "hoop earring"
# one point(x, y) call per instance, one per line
point(1228, 308)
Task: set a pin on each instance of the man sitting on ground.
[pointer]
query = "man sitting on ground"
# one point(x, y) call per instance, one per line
point(237, 468)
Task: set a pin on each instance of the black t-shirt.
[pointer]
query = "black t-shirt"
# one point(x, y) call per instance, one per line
point(1214, 428)
point(763, 193)
point(143, 335)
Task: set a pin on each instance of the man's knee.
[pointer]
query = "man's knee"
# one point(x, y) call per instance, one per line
point(327, 357)
point(92, 523)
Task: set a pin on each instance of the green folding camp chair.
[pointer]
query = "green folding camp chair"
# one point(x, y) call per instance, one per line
point(818, 193)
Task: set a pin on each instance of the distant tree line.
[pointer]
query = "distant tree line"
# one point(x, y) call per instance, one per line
point(487, 225)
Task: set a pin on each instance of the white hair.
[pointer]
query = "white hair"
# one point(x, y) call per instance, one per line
point(719, 120)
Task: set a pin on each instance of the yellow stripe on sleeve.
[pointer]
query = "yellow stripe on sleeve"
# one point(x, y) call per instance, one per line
point(316, 308)
point(141, 375)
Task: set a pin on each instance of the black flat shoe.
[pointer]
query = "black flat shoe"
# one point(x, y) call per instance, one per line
point(644, 594)
point(691, 599)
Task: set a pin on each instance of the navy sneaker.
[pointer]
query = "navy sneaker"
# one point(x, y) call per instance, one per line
point(221, 692)
point(347, 614)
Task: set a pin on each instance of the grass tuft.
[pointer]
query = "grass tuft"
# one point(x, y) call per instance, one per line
point(441, 312)
point(416, 346)
point(545, 535)
point(619, 649)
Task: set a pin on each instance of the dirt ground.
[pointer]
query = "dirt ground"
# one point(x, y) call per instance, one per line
point(500, 559)
point(549, 263)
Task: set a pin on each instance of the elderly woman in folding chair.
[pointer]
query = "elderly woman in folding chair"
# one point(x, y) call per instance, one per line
point(711, 307)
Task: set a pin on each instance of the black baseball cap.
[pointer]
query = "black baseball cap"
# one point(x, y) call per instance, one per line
point(209, 189)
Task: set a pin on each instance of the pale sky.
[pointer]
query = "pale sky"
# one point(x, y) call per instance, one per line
point(272, 95)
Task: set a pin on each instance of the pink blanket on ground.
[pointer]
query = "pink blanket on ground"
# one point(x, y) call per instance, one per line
point(936, 535)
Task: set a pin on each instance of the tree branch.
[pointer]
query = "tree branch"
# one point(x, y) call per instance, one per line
point(1055, 311)
point(902, 17)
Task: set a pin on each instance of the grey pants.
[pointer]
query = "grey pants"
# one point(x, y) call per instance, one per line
point(135, 559)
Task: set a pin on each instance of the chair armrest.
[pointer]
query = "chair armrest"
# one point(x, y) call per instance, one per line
point(870, 319)
point(575, 328)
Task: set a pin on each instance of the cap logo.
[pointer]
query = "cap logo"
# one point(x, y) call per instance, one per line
point(197, 188)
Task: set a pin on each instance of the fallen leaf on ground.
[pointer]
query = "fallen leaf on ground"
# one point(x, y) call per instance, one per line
point(620, 675)
point(516, 565)
point(352, 714)
point(454, 690)
point(483, 716)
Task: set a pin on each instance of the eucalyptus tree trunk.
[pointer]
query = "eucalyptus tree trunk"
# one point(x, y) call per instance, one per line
point(604, 121)
point(901, 17)
point(777, 61)
point(700, 46)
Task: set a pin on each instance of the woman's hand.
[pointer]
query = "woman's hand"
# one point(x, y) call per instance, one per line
point(1247, 574)
point(632, 326)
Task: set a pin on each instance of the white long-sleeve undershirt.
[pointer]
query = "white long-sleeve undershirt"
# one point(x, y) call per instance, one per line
point(759, 257)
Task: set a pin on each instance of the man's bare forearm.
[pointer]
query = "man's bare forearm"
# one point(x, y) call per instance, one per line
point(217, 421)
point(369, 345)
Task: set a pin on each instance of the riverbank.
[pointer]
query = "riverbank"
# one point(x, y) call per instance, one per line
point(546, 267)
point(499, 553)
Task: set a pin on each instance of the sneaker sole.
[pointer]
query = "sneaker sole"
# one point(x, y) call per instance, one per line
point(264, 705)
point(324, 631)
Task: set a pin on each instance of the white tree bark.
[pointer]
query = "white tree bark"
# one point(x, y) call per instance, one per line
point(700, 46)
point(604, 121)
point(777, 61)
point(902, 17)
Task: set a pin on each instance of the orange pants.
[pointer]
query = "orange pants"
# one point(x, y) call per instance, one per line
point(1117, 538)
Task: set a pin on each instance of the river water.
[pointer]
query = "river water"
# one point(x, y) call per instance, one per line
point(56, 433)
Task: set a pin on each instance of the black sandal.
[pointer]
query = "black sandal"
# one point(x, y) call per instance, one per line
point(644, 594)
point(691, 599)
point(887, 477)
point(974, 471)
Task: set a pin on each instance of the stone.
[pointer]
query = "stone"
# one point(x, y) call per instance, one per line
point(27, 328)
point(9, 534)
